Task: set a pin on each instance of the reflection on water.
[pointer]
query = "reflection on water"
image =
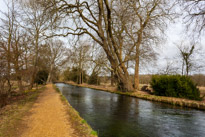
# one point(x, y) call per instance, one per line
point(113, 115)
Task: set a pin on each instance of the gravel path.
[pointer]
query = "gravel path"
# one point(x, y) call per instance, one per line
point(48, 117)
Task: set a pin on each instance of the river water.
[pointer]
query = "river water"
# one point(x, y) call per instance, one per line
point(113, 115)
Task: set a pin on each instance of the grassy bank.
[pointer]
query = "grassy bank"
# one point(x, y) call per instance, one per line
point(169, 100)
point(80, 126)
point(11, 115)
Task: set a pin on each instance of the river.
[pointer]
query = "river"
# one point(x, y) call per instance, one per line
point(113, 115)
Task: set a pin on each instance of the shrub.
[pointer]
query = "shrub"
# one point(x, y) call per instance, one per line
point(75, 76)
point(94, 79)
point(66, 74)
point(175, 86)
point(41, 77)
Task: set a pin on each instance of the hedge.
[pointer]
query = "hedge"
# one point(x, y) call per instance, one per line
point(175, 86)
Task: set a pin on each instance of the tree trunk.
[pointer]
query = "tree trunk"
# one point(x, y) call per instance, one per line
point(32, 79)
point(8, 63)
point(49, 79)
point(112, 79)
point(187, 70)
point(136, 77)
point(82, 78)
point(20, 85)
point(120, 71)
point(9, 85)
point(124, 83)
point(35, 62)
point(183, 68)
point(79, 82)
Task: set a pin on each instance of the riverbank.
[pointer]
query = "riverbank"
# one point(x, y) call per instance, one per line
point(42, 112)
point(78, 124)
point(49, 117)
point(12, 114)
point(143, 95)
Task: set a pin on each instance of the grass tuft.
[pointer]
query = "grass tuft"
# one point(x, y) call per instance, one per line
point(94, 133)
point(83, 121)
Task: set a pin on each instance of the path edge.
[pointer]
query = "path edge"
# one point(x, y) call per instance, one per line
point(79, 124)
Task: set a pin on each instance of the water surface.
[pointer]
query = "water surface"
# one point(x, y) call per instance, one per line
point(113, 115)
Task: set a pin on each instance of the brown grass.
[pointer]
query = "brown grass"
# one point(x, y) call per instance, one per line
point(11, 115)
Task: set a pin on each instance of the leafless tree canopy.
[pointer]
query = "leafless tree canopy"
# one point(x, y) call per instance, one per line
point(195, 17)
point(121, 28)
point(118, 37)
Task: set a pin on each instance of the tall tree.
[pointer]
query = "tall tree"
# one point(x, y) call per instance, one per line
point(56, 55)
point(3, 69)
point(8, 26)
point(186, 53)
point(36, 21)
point(17, 54)
point(100, 19)
point(80, 57)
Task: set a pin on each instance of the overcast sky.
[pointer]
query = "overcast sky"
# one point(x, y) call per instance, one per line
point(167, 50)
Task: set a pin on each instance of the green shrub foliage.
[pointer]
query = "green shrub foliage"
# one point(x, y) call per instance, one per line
point(41, 77)
point(94, 79)
point(66, 74)
point(75, 74)
point(175, 86)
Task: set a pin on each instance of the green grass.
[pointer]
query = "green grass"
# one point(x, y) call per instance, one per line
point(94, 133)
point(56, 89)
point(63, 98)
point(83, 121)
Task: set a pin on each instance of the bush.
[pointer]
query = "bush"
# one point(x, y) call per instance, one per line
point(94, 79)
point(66, 74)
point(175, 86)
point(41, 77)
point(74, 75)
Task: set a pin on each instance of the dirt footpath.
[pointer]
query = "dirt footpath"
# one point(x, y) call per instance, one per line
point(48, 117)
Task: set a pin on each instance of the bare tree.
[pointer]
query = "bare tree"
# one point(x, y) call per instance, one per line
point(17, 54)
point(100, 20)
point(170, 67)
point(56, 54)
point(148, 20)
point(80, 58)
point(8, 27)
point(188, 54)
point(195, 17)
point(3, 70)
point(36, 22)
point(6, 30)
point(186, 58)
point(98, 61)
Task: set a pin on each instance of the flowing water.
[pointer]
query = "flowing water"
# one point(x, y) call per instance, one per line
point(113, 115)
